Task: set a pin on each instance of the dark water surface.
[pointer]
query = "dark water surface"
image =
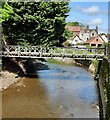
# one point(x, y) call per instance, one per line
point(63, 91)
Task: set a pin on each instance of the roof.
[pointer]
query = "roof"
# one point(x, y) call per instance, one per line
point(103, 35)
point(92, 30)
point(93, 40)
point(78, 29)
point(74, 28)
point(78, 37)
point(88, 30)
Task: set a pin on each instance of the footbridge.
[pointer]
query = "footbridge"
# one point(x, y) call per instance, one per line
point(51, 52)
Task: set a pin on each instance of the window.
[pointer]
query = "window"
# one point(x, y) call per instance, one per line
point(93, 44)
point(76, 40)
point(92, 34)
point(99, 45)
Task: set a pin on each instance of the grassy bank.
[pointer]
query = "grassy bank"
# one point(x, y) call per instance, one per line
point(61, 61)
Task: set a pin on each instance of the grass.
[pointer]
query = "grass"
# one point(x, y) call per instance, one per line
point(55, 61)
point(73, 51)
point(52, 60)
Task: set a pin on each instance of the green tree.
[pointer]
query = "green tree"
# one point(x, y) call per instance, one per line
point(74, 24)
point(6, 11)
point(68, 34)
point(36, 23)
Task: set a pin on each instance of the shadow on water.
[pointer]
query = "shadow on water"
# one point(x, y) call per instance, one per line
point(31, 67)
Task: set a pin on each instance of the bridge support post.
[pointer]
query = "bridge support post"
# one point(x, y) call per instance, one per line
point(19, 51)
point(40, 52)
point(63, 53)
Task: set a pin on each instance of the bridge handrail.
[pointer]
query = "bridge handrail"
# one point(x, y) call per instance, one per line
point(16, 46)
point(52, 50)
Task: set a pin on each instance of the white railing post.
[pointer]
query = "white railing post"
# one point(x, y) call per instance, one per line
point(51, 52)
point(40, 51)
point(18, 50)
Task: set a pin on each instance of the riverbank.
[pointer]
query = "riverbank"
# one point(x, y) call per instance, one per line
point(14, 69)
point(7, 79)
point(10, 73)
point(104, 87)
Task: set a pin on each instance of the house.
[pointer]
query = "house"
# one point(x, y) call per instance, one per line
point(108, 36)
point(95, 41)
point(76, 40)
point(84, 33)
point(104, 37)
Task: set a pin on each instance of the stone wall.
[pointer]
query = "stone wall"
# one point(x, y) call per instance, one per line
point(104, 88)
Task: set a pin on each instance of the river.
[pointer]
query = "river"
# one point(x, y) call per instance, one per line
point(63, 91)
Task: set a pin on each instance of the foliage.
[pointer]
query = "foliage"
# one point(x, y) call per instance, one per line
point(68, 34)
point(36, 23)
point(105, 78)
point(66, 44)
point(95, 63)
point(74, 24)
point(6, 11)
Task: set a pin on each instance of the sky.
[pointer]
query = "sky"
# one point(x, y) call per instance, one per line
point(90, 13)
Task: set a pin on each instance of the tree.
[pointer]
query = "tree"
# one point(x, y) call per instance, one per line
point(6, 11)
point(74, 24)
point(68, 34)
point(36, 23)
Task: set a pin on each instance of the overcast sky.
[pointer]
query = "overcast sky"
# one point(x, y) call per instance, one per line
point(90, 13)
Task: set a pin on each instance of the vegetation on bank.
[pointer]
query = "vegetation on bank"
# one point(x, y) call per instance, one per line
point(58, 61)
point(104, 75)
point(95, 63)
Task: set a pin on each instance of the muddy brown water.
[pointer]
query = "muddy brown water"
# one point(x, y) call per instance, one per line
point(63, 91)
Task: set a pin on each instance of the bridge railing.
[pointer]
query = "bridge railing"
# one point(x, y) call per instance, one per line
point(51, 50)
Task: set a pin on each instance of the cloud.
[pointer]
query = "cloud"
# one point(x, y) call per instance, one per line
point(103, 30)
point(95, 22)
point(93, 10)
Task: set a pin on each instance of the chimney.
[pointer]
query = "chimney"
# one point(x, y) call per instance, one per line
point(87, 27)
point(97, 29)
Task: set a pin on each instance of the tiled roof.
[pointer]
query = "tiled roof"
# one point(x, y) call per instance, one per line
point(78, 37)
point(74, 28)
point(93, 40)
point(78, 29)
